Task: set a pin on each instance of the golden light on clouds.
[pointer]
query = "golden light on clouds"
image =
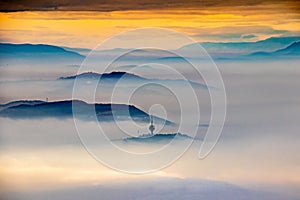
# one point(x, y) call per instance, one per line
point(87, 29)
point(31, 170)
point(72, 166)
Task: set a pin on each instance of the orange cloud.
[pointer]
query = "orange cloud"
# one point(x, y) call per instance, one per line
point(122, 5)
point(88, 28)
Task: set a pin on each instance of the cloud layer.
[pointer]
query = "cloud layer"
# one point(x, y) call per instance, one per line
point(101, 5)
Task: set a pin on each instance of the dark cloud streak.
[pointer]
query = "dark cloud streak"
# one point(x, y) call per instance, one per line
point(120, 5)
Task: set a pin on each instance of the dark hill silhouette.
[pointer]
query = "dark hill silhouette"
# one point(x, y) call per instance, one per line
point(111, 75)
point(159, 137)
point(85, 111)
point(114, 76)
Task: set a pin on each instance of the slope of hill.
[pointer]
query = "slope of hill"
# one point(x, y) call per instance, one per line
point(291, 51)
point(21, 102)
point(82, 51)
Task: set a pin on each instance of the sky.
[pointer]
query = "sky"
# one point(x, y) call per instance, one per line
point(74, 24)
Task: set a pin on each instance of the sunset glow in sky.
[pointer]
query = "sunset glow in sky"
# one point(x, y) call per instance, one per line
point(213, 23)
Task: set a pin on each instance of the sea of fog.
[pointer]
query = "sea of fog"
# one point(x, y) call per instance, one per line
point(256, 157)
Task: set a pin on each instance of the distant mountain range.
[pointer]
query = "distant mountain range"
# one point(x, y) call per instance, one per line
point(64, 109)
point(233, 50)
point(230, 50)
point(268, 45)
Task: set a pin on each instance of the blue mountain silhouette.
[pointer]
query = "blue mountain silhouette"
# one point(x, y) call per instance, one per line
point(37, 52)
